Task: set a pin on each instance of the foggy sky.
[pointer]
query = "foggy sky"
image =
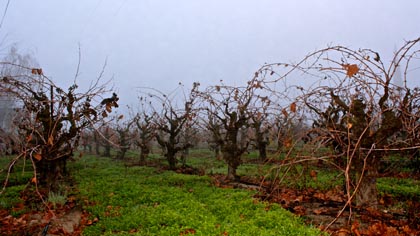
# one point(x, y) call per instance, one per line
point(160, 43)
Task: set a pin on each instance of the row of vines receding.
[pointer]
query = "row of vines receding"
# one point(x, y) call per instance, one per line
point(344, 109)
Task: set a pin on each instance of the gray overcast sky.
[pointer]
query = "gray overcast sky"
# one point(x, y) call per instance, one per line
point(159, 43)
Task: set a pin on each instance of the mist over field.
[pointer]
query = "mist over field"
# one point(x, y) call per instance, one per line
point(161, 43)
point(241, 117)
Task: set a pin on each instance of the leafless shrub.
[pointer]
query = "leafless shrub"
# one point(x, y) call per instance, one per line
point(357, 104)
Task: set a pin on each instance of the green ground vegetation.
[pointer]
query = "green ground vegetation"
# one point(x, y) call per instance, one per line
point(146, 201)
point(137, 200)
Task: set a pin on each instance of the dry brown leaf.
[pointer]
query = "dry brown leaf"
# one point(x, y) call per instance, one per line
point(351, 69)
point(299, 210)
point(320, 196)
point(293, 107)
point(37, 156)
point(314, 174)
point(36, 71)
point(287, 143)
point(50, 140)
point(298, 199)
point(108, 107)
point(343, 232)
point(319, 211)
point(355, 228)
point(285, 113)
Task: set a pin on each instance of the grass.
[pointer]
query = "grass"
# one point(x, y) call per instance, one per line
point(10, 198)
point(400, 188)
point(18, 181)
point(141, 201)
point(325, 178)
point(21, 172)
point(299, 176)
point(204, 159)
point(57, 198)
point(149, 201)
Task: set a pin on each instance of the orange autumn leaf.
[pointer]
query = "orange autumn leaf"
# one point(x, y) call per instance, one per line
point(104, 114)
point(343, 232)
point(320, 211)
point(293, 107)
point(187, 231)
point(108, 108)
point(287, 143)
point(36, 71)
point(314, 174)
point(351, 69)
point(51, 140)
point(355, 228)
point(33, 180)
point(285, 113)
point(37, 156)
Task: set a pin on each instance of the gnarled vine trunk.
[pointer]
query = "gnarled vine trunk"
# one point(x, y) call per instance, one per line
point(366, 175)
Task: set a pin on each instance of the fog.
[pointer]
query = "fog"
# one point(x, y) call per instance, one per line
point(160, 43)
